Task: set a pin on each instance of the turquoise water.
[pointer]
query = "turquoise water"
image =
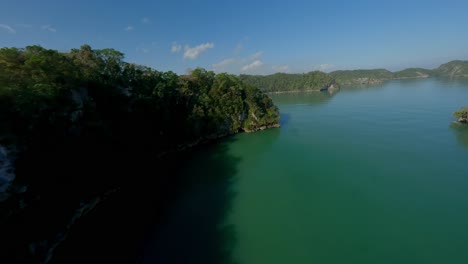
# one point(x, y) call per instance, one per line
point(367, 175)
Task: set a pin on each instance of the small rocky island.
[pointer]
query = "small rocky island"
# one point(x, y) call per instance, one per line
point(462, 115)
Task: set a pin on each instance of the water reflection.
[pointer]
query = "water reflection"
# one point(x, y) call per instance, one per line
point(461, 133)
point(285, 118)
point(311, 98)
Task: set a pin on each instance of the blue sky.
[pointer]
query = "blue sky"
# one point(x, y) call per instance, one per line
point(256, 37)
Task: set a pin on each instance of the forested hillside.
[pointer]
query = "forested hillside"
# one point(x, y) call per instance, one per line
point(283, 82)
point(78, 124)
point(453, 69)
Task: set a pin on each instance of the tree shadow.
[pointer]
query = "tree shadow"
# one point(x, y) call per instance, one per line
point(166, 210)
point(174, 214)
point(310, 98)
point(194, 229)
point(461, 133)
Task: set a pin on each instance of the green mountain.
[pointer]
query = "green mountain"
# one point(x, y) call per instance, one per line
point(80, 125)
point(453, 69)
point(412, 73)
point(316, 80)
point(286, 82)
point(351, 77)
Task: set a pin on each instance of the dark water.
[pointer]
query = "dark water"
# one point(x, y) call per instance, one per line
point(368, 175)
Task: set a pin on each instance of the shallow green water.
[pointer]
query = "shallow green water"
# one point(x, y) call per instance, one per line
point(369, 175)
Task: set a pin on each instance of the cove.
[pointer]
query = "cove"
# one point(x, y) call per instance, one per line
point(367, 175)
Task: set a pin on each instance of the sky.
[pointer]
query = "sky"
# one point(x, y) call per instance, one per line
point(247, 36)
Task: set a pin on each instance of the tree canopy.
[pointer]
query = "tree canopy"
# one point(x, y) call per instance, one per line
point(45, 93)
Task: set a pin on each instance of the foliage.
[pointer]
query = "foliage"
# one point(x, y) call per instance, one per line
point(452, 69)
point(412, 73)
point(347, 77)
point(50, 97)
point(289, 82)
point(462, 113)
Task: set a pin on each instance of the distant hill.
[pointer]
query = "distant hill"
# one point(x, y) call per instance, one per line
point(316, 80)
point(351, 77)
point(284, 82)
point(411, 73)
point(453, 69)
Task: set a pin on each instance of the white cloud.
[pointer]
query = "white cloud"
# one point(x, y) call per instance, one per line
point(223, 64)
point(256, 55)
point(49, 28)
point(193, 52)
point(175, 48)
point(280, 68)
point(145, 20)
point(129, 28)
point(252, 66)
point(8, 28)
point(325, 67)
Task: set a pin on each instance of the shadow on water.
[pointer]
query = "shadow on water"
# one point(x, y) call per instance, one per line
point(461, 133)
point(194, 229)
point(173, 213)
point(170, 210)
point(311, 98)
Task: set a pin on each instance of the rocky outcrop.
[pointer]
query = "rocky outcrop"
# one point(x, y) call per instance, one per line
point(261, 128)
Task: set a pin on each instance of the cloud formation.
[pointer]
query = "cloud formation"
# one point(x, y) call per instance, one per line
point(252, 66)
point(280, 68)
point(175, 48)
point(129, 28)
point(256, 55)
point(325, 67)
point(8, 28)
point(223, 64)
point(193, 52)
point(49, 28)
point(145, 20)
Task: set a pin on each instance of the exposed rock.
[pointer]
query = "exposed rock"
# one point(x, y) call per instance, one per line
point(261, 128)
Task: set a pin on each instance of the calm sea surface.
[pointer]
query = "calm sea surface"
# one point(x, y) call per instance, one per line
point(367, 175)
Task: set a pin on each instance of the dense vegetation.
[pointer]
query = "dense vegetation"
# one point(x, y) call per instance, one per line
point(85, 122)
point(462, 114)
point(453, 69)
point(44, 93)
point(347, 77)
point(412, 73)
point(314, 81)
point(283, 82)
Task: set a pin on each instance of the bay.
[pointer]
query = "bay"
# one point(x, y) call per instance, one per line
point(367, 175)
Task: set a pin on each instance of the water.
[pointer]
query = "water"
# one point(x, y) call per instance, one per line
point(368, 175)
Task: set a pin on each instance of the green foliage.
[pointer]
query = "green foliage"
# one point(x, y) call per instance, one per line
point(47, 97)
point(453, 69)
point(412, 73)
point(279, 82)
point(462, 113)
point(348, 77)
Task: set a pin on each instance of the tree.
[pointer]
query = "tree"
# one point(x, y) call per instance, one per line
point(462, 114)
